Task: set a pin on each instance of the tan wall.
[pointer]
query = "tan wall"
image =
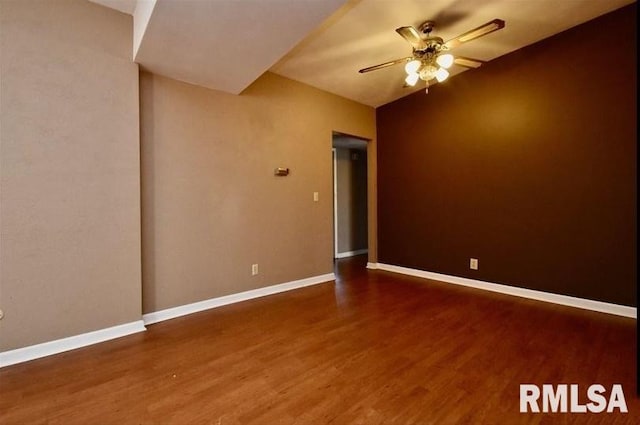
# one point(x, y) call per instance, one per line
point(69, 180)
point(211, 204)
point(351, 196)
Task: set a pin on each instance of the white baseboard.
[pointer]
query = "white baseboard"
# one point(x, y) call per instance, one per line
point(351, 253)
point(37, 351)
point(372, 266)
point(183, 310)
point(603, 307)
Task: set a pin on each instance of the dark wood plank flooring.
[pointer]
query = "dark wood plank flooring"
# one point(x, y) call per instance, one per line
point(371, 348)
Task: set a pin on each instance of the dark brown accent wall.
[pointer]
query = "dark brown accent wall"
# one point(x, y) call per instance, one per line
point(528, 164)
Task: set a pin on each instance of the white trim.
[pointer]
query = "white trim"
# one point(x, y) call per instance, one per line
point(37, 351)
point(183, 310)
point(351, 253)
point(372, 266)
point(603, 307)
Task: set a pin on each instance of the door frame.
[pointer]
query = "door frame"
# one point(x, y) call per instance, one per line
point(335, 203)
point(371, 195)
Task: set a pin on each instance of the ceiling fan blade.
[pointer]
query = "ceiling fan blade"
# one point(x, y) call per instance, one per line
point(482, 30)
point(413, 37)
point(468, 62)
point(384, 65)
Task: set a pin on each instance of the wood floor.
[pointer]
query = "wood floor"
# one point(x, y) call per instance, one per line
point(372, 348)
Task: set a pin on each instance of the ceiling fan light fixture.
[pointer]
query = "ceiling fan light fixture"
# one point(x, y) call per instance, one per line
point(445, 60)
point(412, 79)
point(430, 57)
point(428, 72)
point(412, 67)
point(442, 74)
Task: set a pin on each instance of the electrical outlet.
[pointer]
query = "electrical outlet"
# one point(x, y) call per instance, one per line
point(473, 263)
point(254, 269)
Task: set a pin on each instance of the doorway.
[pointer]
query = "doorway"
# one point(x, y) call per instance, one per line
point(350, 215)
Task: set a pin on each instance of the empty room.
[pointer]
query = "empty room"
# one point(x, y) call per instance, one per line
point(318, 212)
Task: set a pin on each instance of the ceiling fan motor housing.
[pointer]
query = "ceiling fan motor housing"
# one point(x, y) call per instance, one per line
point(428, 55)
point(434, 44)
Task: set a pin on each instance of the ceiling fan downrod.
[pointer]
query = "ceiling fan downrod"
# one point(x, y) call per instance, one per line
point(426, 27)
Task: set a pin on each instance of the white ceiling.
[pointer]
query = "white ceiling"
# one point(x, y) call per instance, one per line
point(225, 44)
point(228, 44)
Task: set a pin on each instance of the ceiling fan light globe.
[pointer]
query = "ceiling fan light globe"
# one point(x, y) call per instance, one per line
point(445, 60)
point(412, 67)
point(412, 79)
point(442, 74)
point(428, 72)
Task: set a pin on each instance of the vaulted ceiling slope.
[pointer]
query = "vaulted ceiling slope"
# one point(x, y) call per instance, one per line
point(228, 44)
point(220, 44)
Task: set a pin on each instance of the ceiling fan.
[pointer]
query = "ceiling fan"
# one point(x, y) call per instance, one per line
point(430, 58)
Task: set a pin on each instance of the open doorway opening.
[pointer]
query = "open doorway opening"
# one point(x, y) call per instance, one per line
point(350, 215)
